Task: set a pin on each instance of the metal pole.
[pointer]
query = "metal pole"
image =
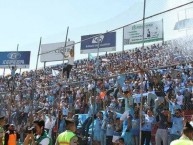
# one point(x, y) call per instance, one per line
point(163, 31)
point(40, 43)
point(34, 83)
point(3, 72)
point(141, 79)
point(16, 57)
point(123, 45)
point(45, 69)
point(44, 65)
point(186, 18)
point(64, 49)
point(95, 79)
point(14, 71)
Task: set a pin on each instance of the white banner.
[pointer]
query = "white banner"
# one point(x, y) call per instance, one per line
point(57, 51)
point(133, 34)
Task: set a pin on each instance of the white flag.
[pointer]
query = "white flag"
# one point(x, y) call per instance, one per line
point(55, 72)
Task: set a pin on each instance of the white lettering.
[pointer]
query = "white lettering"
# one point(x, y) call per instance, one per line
point(13, 62)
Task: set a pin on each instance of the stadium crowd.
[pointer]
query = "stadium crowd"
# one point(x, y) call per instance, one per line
point(109, 91)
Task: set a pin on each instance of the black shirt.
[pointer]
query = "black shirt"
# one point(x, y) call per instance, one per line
point(159, 88)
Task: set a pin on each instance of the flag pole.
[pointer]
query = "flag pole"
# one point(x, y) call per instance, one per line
point(64, 49)
point(123, 43)
point(34, 83)
point(162, 31)
point(16, 57)
point(40, 43)
point(3, 72)
point(95, 92)
point(141, 79)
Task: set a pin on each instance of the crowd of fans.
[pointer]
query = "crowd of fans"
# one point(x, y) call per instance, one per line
point(109, 90)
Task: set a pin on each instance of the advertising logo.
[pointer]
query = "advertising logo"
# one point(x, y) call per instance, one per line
point(14, 55)
point(98, 39)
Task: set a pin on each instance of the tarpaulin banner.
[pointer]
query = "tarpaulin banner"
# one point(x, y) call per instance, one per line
point(55, 51)
point(105, 42)
point(133, 34)
point(20, 59)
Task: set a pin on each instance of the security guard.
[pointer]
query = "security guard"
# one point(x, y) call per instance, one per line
point(68, 137)
point(2, 123)
point(186, 138)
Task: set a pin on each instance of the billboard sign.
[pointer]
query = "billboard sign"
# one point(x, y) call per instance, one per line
point(55, 51)
point(21, 59)
point(107, 42)
point(133, 34)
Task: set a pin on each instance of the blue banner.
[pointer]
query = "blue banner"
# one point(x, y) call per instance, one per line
point(107, 42)
point(20, 59)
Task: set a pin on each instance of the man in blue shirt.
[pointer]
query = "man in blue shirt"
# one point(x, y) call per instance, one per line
point(97, 127)
point(147, 123)
point(109, 128)
point(177, 126)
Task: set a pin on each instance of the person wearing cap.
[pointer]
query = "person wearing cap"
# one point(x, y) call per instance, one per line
point(11, 136)
point(187, 136)
point(2, 123)
point(68, 137)
point(41, 137)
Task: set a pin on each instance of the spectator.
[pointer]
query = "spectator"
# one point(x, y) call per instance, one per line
point(135, 129)
point(121, 141)
point(68, 68)
point(97, 128)
point(162, 132)
point(177, 126)
point(88, 121)
point(180, 99)
point(41, 135)
point(172, 104)
point(109, 121)
point(148, 122)
point(118, 131)
point(186, 138)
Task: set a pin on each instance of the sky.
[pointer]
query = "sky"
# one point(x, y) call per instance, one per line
point(23, 22)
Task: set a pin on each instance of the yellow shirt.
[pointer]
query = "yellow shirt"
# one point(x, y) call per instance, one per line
point(182, 141)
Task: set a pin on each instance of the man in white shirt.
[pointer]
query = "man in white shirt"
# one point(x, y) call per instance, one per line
point(179, 98)
point(48, 123)
point(70, 64)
